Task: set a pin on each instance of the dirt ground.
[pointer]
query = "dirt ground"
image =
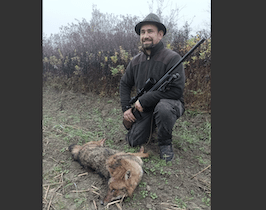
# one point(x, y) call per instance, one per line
point(70, 117)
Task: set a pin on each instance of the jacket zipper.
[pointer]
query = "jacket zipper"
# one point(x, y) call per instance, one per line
point(146, 73)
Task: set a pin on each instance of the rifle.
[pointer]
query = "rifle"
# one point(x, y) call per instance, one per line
point(161, 85)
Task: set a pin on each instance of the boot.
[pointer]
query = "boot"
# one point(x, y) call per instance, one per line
point(166, 152)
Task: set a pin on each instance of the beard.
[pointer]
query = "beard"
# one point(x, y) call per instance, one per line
point(147, 46)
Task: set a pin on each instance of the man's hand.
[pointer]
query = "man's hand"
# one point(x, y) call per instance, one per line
point(128, 116)
point(138, 106)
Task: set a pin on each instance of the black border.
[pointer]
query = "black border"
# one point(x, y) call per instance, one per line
point(234, 177)
point(21, 104)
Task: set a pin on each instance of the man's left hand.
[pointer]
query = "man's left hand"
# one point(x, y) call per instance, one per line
point(138, 106)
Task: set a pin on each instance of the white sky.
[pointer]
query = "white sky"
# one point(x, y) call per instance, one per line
point(57, 13)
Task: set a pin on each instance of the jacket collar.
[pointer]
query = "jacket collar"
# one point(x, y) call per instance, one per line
point(154, 49)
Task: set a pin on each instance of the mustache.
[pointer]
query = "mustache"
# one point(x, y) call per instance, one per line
point(147, 39)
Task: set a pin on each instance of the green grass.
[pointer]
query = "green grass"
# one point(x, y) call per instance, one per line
point(153, 196)
point(190, 136)
point(206, 200)
point(130, 149)
point(144, 193)
point(191, 139)
point(102, 127)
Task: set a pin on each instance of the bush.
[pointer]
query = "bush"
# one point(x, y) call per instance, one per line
point(92, 56)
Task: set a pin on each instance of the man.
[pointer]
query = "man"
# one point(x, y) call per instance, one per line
point(160, 109)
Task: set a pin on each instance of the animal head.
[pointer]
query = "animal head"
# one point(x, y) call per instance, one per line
point(114, 194)
point(118, 189)
point(124, 180)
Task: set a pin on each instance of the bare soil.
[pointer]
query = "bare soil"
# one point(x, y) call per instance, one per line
point(70, 118)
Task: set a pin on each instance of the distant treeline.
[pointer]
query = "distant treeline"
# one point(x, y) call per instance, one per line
point(92, 56)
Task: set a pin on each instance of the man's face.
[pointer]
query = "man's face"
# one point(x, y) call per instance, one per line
point(149, 36)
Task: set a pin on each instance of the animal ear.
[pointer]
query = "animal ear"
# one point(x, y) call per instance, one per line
point(127, 175)
point(102, 141)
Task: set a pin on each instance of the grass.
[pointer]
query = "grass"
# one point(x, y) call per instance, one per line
point(206, 200)
point(188, 136)
point(181, 204)
point(191, 140)
point(101, 127)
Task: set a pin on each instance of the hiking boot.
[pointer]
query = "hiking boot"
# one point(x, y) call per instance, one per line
point(166, 152)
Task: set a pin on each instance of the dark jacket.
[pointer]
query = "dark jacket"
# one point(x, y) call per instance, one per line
point(142, 67)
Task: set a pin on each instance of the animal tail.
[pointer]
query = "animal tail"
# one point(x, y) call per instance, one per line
point(74, 149)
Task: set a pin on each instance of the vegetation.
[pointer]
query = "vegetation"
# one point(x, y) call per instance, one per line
point(92, 56)
point(70, 117)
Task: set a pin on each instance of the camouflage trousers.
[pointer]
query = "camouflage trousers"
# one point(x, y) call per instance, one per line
point(163, 116)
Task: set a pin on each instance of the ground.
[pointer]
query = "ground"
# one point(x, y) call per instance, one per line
point(68, 118)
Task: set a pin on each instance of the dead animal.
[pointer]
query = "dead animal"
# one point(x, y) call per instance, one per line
point(124, 170)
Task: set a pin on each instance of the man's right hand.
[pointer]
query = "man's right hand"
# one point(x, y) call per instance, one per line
point(128, 115)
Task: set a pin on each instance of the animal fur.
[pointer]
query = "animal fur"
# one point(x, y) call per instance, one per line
point(124, 170)
point(92, 156)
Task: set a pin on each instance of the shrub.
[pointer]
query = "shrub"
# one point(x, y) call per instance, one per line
point(92, 56)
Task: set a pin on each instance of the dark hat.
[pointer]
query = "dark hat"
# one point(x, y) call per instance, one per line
point(153, 19)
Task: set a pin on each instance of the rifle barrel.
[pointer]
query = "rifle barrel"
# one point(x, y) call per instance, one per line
point(158, 84)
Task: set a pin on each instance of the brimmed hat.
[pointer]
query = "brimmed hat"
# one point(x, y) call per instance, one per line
point(153, 19)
